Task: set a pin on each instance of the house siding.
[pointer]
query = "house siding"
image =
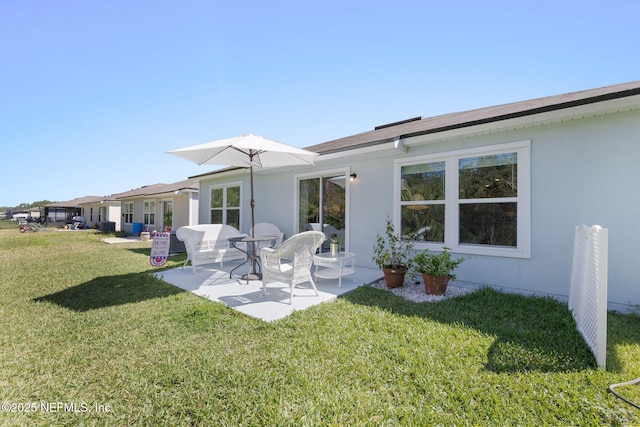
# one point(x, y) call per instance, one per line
point(185, 208)
point(113, 213)
point(582, 172)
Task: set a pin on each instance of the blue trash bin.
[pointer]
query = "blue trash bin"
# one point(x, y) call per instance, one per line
point(136, 228)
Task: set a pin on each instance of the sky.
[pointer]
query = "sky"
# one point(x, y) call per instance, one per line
point(93, 93)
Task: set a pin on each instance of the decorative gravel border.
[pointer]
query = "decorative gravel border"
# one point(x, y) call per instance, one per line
point(416, 293)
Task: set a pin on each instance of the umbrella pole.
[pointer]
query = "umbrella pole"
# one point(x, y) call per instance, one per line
point(252, 274)
point(253, 203)
point(253, 232)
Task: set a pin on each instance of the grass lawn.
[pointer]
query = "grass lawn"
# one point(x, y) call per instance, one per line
point(8, 224)
point(88, 337)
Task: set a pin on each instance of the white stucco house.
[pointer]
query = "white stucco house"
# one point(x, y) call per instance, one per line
point(159, 207)
point(503, 186)
point(101, 210)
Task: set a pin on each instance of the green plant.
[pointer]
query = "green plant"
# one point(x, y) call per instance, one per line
point(390, 250)
point(436, 264)
point(335, 243)
point(335, 218)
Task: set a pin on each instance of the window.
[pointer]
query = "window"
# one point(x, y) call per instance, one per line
point(472, 201)
point(423, 202)
point(149, 212)
point(128, 213)
point(488, 197)
point(225, 205)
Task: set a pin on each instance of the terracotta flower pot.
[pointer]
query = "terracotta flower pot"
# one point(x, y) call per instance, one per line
point(435, 285)
point(394, 277)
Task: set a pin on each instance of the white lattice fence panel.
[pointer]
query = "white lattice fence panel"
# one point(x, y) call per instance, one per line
point(588, 292)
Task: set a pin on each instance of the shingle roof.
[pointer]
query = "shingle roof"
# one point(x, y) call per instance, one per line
point(189, 184)
point(75, 203)
point(423, 126)
point(150, 190)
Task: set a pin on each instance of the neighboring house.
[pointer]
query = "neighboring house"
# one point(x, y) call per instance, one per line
point(104, 210)
point(35, 213)
point(153, 207)
point(159, 207)
point(59, 213)
point(95, 210)
point(503, 186)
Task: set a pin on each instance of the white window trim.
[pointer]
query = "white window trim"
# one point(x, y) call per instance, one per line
point(162, 212)
point(523, 248)
point(129, 213)
point(145, 212)
point(224, 200)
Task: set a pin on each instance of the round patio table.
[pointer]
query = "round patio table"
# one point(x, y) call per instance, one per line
point(337, 266)
point(252, 256)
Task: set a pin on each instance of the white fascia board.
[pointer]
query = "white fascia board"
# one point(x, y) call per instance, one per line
point(398, 144)
point(394, 147)
point(173, 193)
point(188, 190)
point(222, 174)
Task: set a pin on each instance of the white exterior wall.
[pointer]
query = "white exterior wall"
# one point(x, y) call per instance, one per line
point(596, 189)
point(138, 213)
point(185, 208)
point(204, 206)
point(113, 213)
point(193, 203)
point(274, 196)
point(583, 171)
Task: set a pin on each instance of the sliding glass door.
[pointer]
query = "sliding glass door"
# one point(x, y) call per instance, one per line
point(167, 214)
point(322, 206)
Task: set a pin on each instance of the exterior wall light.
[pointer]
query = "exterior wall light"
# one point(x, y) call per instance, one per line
point(353, 177)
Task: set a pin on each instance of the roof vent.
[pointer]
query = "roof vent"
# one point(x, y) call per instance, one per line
point(401, 122)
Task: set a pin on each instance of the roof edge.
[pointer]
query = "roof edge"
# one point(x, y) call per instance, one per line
point(530, 112)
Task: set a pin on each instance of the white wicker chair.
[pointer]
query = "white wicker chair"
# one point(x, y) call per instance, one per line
point(291, 262)
point(267, 229)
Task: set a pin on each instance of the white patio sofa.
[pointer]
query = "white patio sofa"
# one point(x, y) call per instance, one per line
point(208, 244)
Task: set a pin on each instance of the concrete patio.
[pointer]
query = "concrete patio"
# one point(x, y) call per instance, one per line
point(213, 282)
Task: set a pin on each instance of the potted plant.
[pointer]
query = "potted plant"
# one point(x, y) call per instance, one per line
point(391, 255)
point(334, 244)
point(436, 269)
point(145, 235)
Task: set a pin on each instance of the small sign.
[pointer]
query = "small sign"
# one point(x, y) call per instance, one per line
point(160, 249)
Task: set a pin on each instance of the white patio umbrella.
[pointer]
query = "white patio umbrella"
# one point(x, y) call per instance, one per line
point(246, 150)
